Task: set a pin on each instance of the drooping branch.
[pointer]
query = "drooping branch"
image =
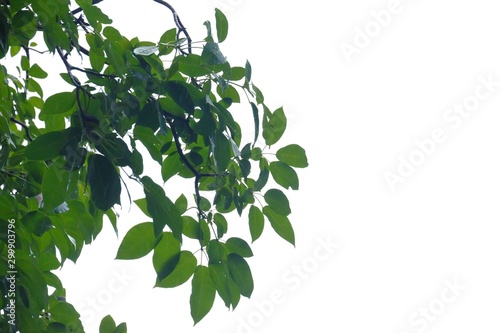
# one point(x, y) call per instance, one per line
point(177, 20)
point(185, 161)
point(24, 126)
point(178, 23)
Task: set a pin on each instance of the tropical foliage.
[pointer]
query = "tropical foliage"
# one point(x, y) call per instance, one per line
point(66, 159)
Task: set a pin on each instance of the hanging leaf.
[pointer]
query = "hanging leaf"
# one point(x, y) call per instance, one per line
point(278, 201)
point(203, 293)
point(241, 274)
point(139, 241)
point(104, 182)
point(280, 224)
point(162, 209)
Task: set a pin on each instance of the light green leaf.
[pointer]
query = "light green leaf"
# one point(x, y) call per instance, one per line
point(293, 155)
point(59, 103)
point(182, 272)
point(107, 325)
point(139, 241)
point(273, 126)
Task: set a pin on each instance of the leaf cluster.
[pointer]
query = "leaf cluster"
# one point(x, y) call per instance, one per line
point(66, 159)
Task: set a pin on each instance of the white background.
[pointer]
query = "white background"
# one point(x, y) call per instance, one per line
point(355, 119)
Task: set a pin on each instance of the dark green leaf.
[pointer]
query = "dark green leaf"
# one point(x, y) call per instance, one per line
point(238, 246)
point(162, 209)
point(212, 55)
point(280, 224)
point(46, 146)
point(166, 255)
point(284, 175)
point(256, 222)
point(241, 274)
point(37, 222)
point(278, 201)
point(222, 152)
point(221, 24)
point(203, 293)
point(104, 182)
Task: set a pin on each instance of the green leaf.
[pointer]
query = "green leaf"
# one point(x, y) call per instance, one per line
point(50, 145)
point(122, 328)
point(180, 94)
point(273, 126)
point(256, 222)
point(222, 152)
point(211, 54)
point(107, 325)
point(219, 277)
point(241, 274)
point(293, 155)
point(37, 222)
point(248, 72)
point(182, 272)
point(181, 204)
point(256, 121)
point(221, 25)
point(284, 175)
point(171, 166)
point(280, 224)
point(59, 103)
point(278, 201)
point(55, 186)
point(238, 246)
point(139, 241)
point(191, 227)
point(166, 255)
point(104, 182)
point(221, 223)
point(143, 206)
point(263, 175)
point(203, 293)
point(115, 56)
point(37, 71)
point(65, 313)
point(162, 209)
